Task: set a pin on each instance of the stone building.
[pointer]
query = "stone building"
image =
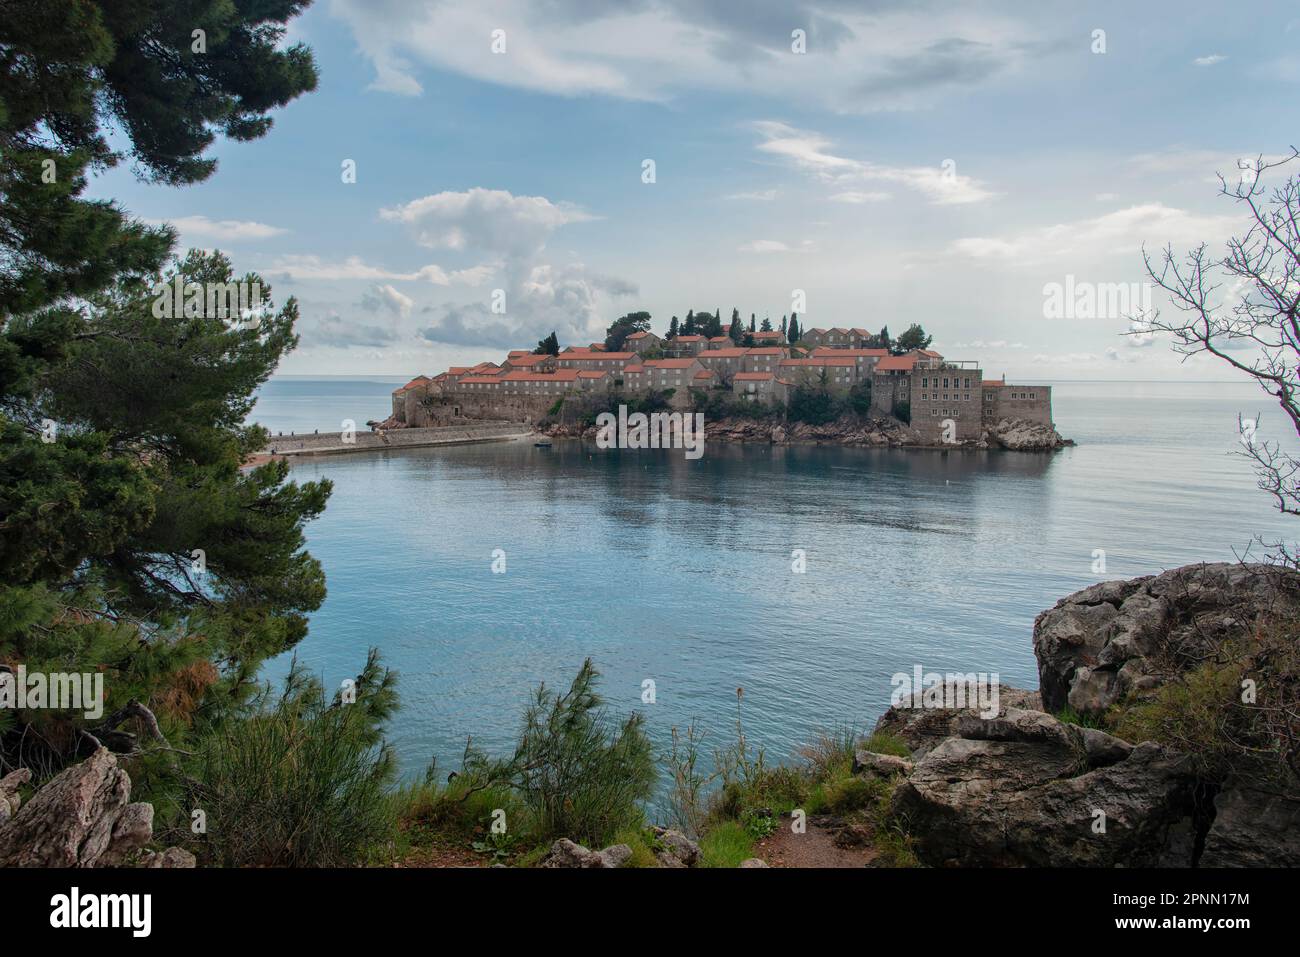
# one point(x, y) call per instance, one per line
point(838, 374)
point(724, 362)
point(642, 342)
point(682, 346)
point(612, 362)
point(658, 375)
point(759, 387)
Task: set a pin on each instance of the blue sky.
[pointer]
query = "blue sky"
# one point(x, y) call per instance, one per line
point(919, 162)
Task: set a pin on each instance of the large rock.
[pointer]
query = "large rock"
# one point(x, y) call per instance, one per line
point(1021, 435)
point(566, 853)
point(82, 818)
point(922, 729)
point(1253, 829)
point(679, 850)
point(1024, 789)
point(1105, 643)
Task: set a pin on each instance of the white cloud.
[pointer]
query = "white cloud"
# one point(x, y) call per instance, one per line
point(810, 152)
point(765, 195)
point(858, 196)
point(489, 220)
point(313, 267)
point(228, 230)
point(763, 246)
point(1119, 233)
point(1210, 60)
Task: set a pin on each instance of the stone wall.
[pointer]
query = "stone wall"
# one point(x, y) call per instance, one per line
point(327, 442)
point(463, 409)
point(1038, 409)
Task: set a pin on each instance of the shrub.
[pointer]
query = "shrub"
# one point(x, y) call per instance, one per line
point(298, 781)
point(581, 776)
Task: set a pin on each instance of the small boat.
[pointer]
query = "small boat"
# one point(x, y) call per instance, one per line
point(544, 444)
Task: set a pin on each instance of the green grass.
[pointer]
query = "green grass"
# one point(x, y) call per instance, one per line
point(642, 842)
point(726, 845)
point(882, 742)
point(1068, 715)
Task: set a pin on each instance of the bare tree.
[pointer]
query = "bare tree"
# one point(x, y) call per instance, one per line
point(1243, 307)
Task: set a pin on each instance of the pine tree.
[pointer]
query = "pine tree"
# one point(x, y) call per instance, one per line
point(132, 544)
point(672, 328)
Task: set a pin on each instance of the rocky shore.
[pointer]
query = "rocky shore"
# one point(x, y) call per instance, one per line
point(1010, 434)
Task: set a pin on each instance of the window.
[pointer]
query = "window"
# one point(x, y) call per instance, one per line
point(967, 384)
point(934, 411)
point(966, 397)
point(925, 382)
point(945, 383)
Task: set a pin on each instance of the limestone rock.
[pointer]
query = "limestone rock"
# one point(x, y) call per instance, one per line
point(1252, 829)
point(566, 853)
point(1026, 790)
point(9, 785)
point(678, 846)
point(1020, 435)
point(923, 729)
point(1097, 646)
point(754, 862)
point(882, 764)
point(82, 818)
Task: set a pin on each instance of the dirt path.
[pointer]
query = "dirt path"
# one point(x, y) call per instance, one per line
point(816, 847)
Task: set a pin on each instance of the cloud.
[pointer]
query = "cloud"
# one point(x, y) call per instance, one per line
point(513, 232)
point(858, 197)
point(860, 57)
point(1210, 60)
point(227, 230)
point(1119, 233)
point(810, 152)
point(313, 267)
point(333, 331)
point(487, 220)
point(385, 297)
point(763, 246)
point(765, 195)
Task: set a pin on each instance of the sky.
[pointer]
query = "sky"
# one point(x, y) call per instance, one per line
point(523, 167)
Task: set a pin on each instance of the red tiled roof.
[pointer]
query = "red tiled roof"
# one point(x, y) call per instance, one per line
point(516, 353)
point(988, 383)
point(705, 374)
point(670, 363)
point(458, 370)
point(753, 376)
point(929, 353)
point(723, 354)
point(592, 373)
point(640, 335)
point(721, 339)
point(418, 380)
point(897, 363)
point(773, 334)
point(597, 347)
point(831, 351)
point(563, 375)
point(690, 339)
point(594, 356)
point(767, 351)
point(819, 362)
point(530, 359)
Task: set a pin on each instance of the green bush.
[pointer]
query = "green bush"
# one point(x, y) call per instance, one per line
point(582, 776)
point(299, 781)
point(726, 845)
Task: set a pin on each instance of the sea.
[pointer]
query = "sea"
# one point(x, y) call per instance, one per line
point(809, 577)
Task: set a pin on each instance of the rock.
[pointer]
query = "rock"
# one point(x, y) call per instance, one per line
point(1252, 829)
point(1108, 642)
point(853, 835)
point(1024, 789)
point(923, 729)
point(565, 853)
point(172, 857)
point(678, 846)
point(9, 785)
point(753, 862)
point(82, 818)
point(882, 764)
point(1021, 435)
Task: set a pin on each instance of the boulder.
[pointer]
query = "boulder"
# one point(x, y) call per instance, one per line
point(1027, 790)
point(1021, 435)
point(1252, 829)
point(9, 785)
point(753, 862)
point(82, 818)
point(882, 764)
point(922, 729)
point(566, 853)
point(1117, 639)
point(677, 846)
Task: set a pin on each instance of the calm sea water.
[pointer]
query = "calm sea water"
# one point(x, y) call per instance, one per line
point(680, 571)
